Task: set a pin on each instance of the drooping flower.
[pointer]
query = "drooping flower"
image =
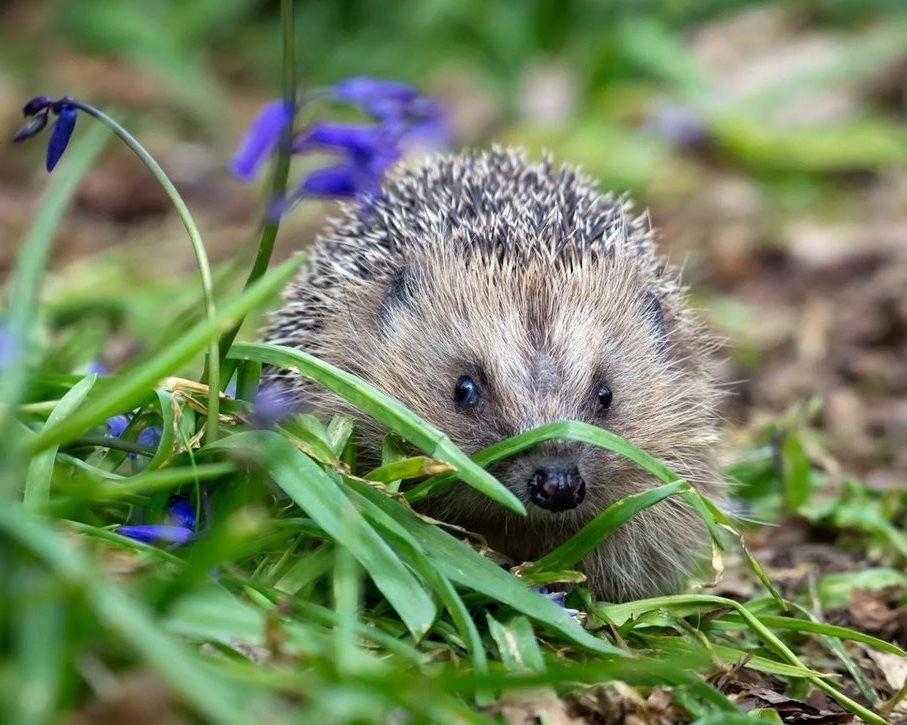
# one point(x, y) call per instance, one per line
point(261, 139)
point(37, 111)
point(405, 120)
point(179, 528)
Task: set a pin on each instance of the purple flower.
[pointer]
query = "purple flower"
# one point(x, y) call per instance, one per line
point(368, 152)
point(261, 139)
point(558, 598)
point(272, 404)
point(405, 119)
point(32, 127)
point(117, 424)
point(150, 436)
point(675, 122)
point(62, 132)
point(37, 111)
point(179, 529)
point(157, 533)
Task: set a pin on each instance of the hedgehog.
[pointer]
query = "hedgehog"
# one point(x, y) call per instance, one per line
point(491, 295)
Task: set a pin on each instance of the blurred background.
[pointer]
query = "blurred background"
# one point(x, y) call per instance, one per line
point(768, 140)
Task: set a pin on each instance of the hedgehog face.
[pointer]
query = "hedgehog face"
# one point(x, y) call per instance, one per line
point(485, 350)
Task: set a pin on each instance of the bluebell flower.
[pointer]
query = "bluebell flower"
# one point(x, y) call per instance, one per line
point(179, 528)
point(150, 436)
point(378, 97)
point(37, 111)
point(559, 598)
point(117, 425)
point(675, 122)
point(62, 132)
point(261, 139)
point(405, 119)
point(272, 404)
point(368, 152)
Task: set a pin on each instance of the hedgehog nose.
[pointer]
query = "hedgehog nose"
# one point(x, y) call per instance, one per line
point(557, 488)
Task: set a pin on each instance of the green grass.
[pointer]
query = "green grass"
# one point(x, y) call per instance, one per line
point(314, 592)
point(314, 589)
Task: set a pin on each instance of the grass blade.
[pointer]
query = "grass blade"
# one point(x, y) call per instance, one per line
point(320, 496)
point(135, 386)
point(41, 466)
point(385, 410)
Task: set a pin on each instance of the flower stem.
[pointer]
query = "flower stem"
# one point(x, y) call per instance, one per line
point(278, 180)
point(198, 246)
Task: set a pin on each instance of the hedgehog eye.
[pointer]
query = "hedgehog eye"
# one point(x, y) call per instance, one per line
point(466, 392)
point(604, 396)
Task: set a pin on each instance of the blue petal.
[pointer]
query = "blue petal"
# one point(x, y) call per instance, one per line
point(181, 512)
point(32, 127)
point(157, 534)
point(59, 137)
point(340, 180)
point(354, 137)
point(272, 405)
point(378, 96)
point(151, 436)
point(260, 140)
point(117, 424)
point(36, 105)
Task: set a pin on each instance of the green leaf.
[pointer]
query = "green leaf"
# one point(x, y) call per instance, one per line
point(464, 566)
point(517, 644)
point(573, 550)
point(41, 466)
point(186, 672)
point(136, 385)
point(385, 410)
point(318, 494)
point(31, 261)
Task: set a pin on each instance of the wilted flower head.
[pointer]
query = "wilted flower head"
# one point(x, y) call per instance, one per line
point(37, 111)
point(179, 528)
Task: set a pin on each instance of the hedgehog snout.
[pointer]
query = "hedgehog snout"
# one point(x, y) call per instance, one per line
point(557, 487)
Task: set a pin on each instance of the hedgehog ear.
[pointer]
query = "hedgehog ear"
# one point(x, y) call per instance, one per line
point(654, 315)
point(400, 292)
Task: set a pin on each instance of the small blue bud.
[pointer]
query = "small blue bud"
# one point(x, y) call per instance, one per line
point(157, 534)
point(32, 127)
point(59, 137)
point(260, 140)
point(181, 512)
point(36, 105)
point(339, 180)
point(117, 424)
point(272, 404)
point(378, 96)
